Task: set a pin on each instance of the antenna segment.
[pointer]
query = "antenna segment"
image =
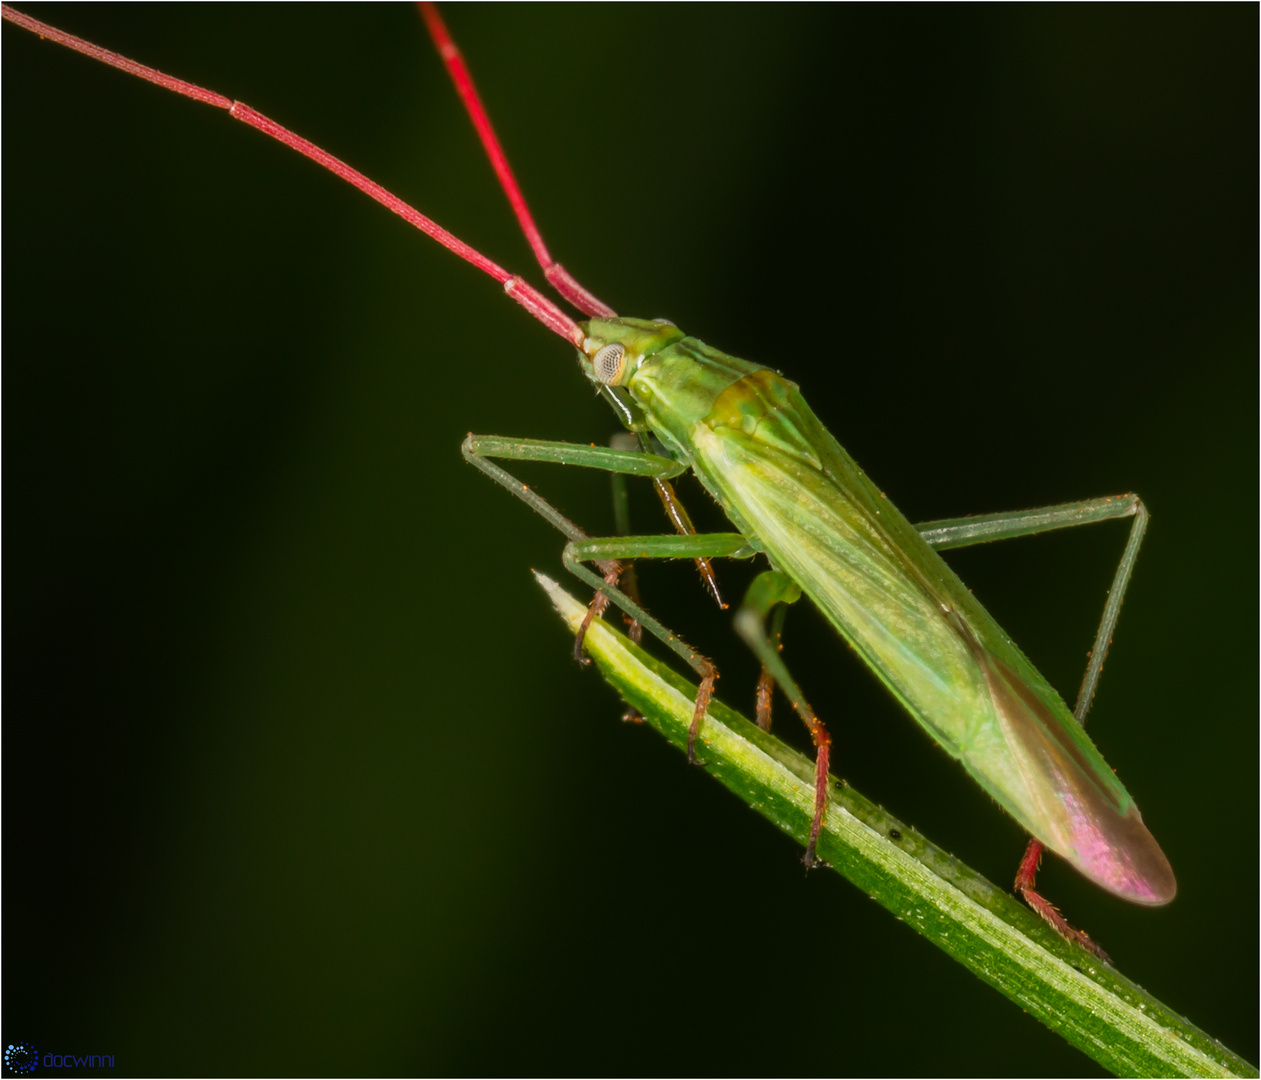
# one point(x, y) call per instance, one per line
point(560, 278)
point(538, 305)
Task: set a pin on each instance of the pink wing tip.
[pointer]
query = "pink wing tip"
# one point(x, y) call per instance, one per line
point(1124, 858)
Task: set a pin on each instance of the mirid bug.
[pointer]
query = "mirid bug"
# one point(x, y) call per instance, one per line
point(281, 338)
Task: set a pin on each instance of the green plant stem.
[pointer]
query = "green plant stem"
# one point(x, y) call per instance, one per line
point(986, 929)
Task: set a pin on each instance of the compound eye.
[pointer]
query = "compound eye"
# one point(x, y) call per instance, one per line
point(608, 363)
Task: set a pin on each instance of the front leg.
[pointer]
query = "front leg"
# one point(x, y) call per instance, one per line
point(618, 459)
point(607, 553)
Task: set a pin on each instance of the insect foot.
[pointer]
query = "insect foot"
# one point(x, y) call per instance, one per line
point(708, 674)
point(1026, 877)
point(599, 602)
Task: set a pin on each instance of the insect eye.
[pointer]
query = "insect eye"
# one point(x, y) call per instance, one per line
point(608, 362)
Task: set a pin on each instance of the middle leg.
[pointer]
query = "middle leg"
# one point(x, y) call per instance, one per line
point(772, 591)
point(608, 552)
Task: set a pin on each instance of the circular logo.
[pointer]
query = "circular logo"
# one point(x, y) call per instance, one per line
point(21, 1057)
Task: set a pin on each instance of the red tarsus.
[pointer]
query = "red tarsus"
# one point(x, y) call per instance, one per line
point(1026, 878)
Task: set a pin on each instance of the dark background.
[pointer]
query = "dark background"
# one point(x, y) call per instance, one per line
point(299, 775)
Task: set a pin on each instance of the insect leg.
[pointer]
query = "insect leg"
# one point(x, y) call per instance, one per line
point(683, 525)
point(947, 533)
point(961, 532)
point(607, 553)
point(624, 440)
point(674, 509)
point(477, 449)
point(771, 590)
point(604, 551)
point(624, 456)
point(672, 505)
point(616, 459)
point(766, 681)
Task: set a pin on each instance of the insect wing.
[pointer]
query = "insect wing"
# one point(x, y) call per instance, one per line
point(788, 483)
point(1110, 845)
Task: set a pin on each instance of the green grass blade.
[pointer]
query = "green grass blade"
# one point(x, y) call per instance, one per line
point(985, 928)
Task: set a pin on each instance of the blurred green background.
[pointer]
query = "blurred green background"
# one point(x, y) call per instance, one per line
point(299, 774)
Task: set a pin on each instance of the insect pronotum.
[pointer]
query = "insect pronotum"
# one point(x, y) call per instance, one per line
point(231, 294)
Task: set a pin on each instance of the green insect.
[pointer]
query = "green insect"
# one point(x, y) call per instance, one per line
point(797, 498)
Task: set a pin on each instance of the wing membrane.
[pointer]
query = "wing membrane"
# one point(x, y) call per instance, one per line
point(791, 488)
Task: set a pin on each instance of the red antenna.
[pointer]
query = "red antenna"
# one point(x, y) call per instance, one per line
point(521, 291)
point(561, 280)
